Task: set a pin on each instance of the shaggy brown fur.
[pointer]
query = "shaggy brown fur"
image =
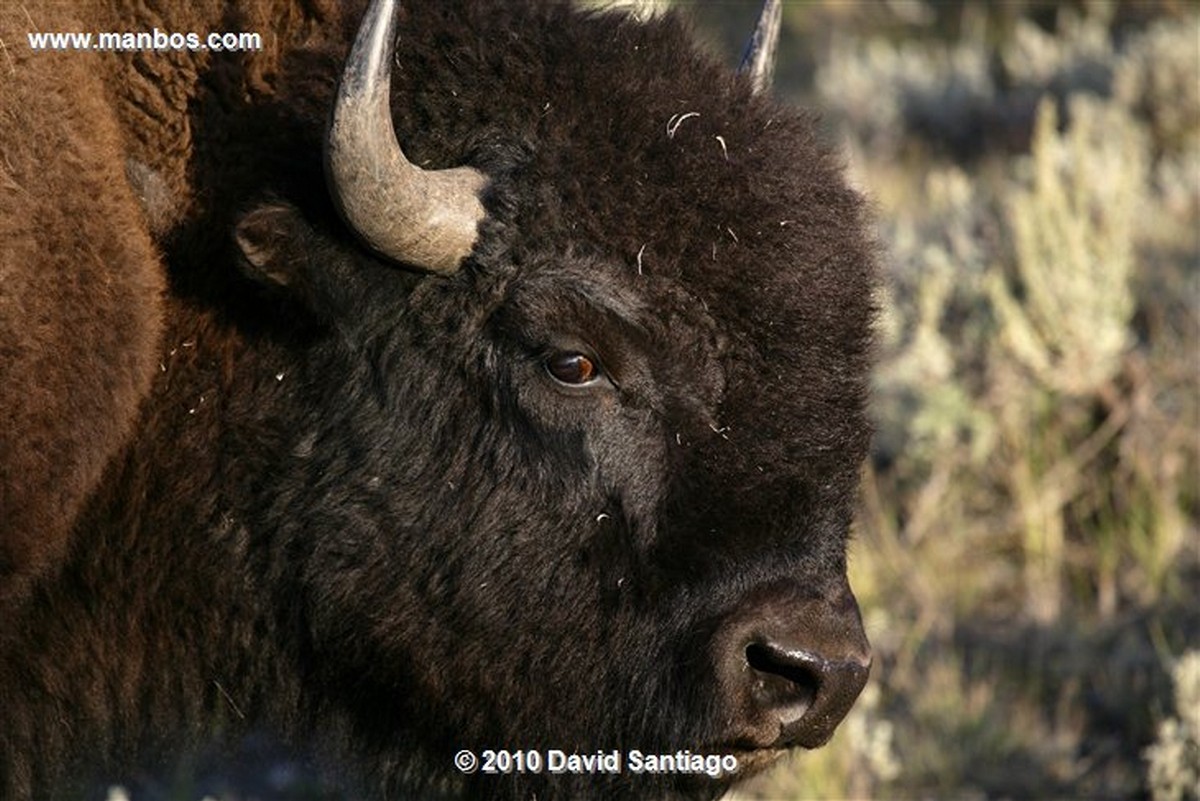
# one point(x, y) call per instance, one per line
point(80, 297)
point(95, 155)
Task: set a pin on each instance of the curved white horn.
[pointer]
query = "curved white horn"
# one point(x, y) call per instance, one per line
point(425, 218)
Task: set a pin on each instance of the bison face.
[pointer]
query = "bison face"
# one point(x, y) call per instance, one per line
point(588, 486)
point(573, 506)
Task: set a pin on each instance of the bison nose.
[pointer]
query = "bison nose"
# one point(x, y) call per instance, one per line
point(808, 693)
point(792, 665)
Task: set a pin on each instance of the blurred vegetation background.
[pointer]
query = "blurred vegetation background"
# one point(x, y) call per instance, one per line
point(1027, 554)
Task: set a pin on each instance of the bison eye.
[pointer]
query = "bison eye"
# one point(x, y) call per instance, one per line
point(572, 368)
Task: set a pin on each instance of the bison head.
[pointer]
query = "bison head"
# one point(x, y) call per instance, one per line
point(587, 485)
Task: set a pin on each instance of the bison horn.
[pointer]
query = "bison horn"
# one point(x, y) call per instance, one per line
point(424, 218)
point(759, 59)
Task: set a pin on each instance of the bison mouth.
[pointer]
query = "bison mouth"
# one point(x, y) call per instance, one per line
point(751, 763)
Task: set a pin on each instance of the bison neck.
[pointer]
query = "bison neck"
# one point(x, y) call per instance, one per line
point(156, 636)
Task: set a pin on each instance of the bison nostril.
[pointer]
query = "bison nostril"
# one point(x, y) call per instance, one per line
point(805, 692)
point(790, 665)
point(784, 682)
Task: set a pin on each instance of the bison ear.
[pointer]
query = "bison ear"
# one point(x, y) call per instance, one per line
point(281, 249)
point(271, 237)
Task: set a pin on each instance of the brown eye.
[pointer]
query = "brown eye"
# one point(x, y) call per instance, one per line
point(572, 368)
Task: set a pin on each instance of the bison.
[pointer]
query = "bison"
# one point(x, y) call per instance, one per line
point(492, 378)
